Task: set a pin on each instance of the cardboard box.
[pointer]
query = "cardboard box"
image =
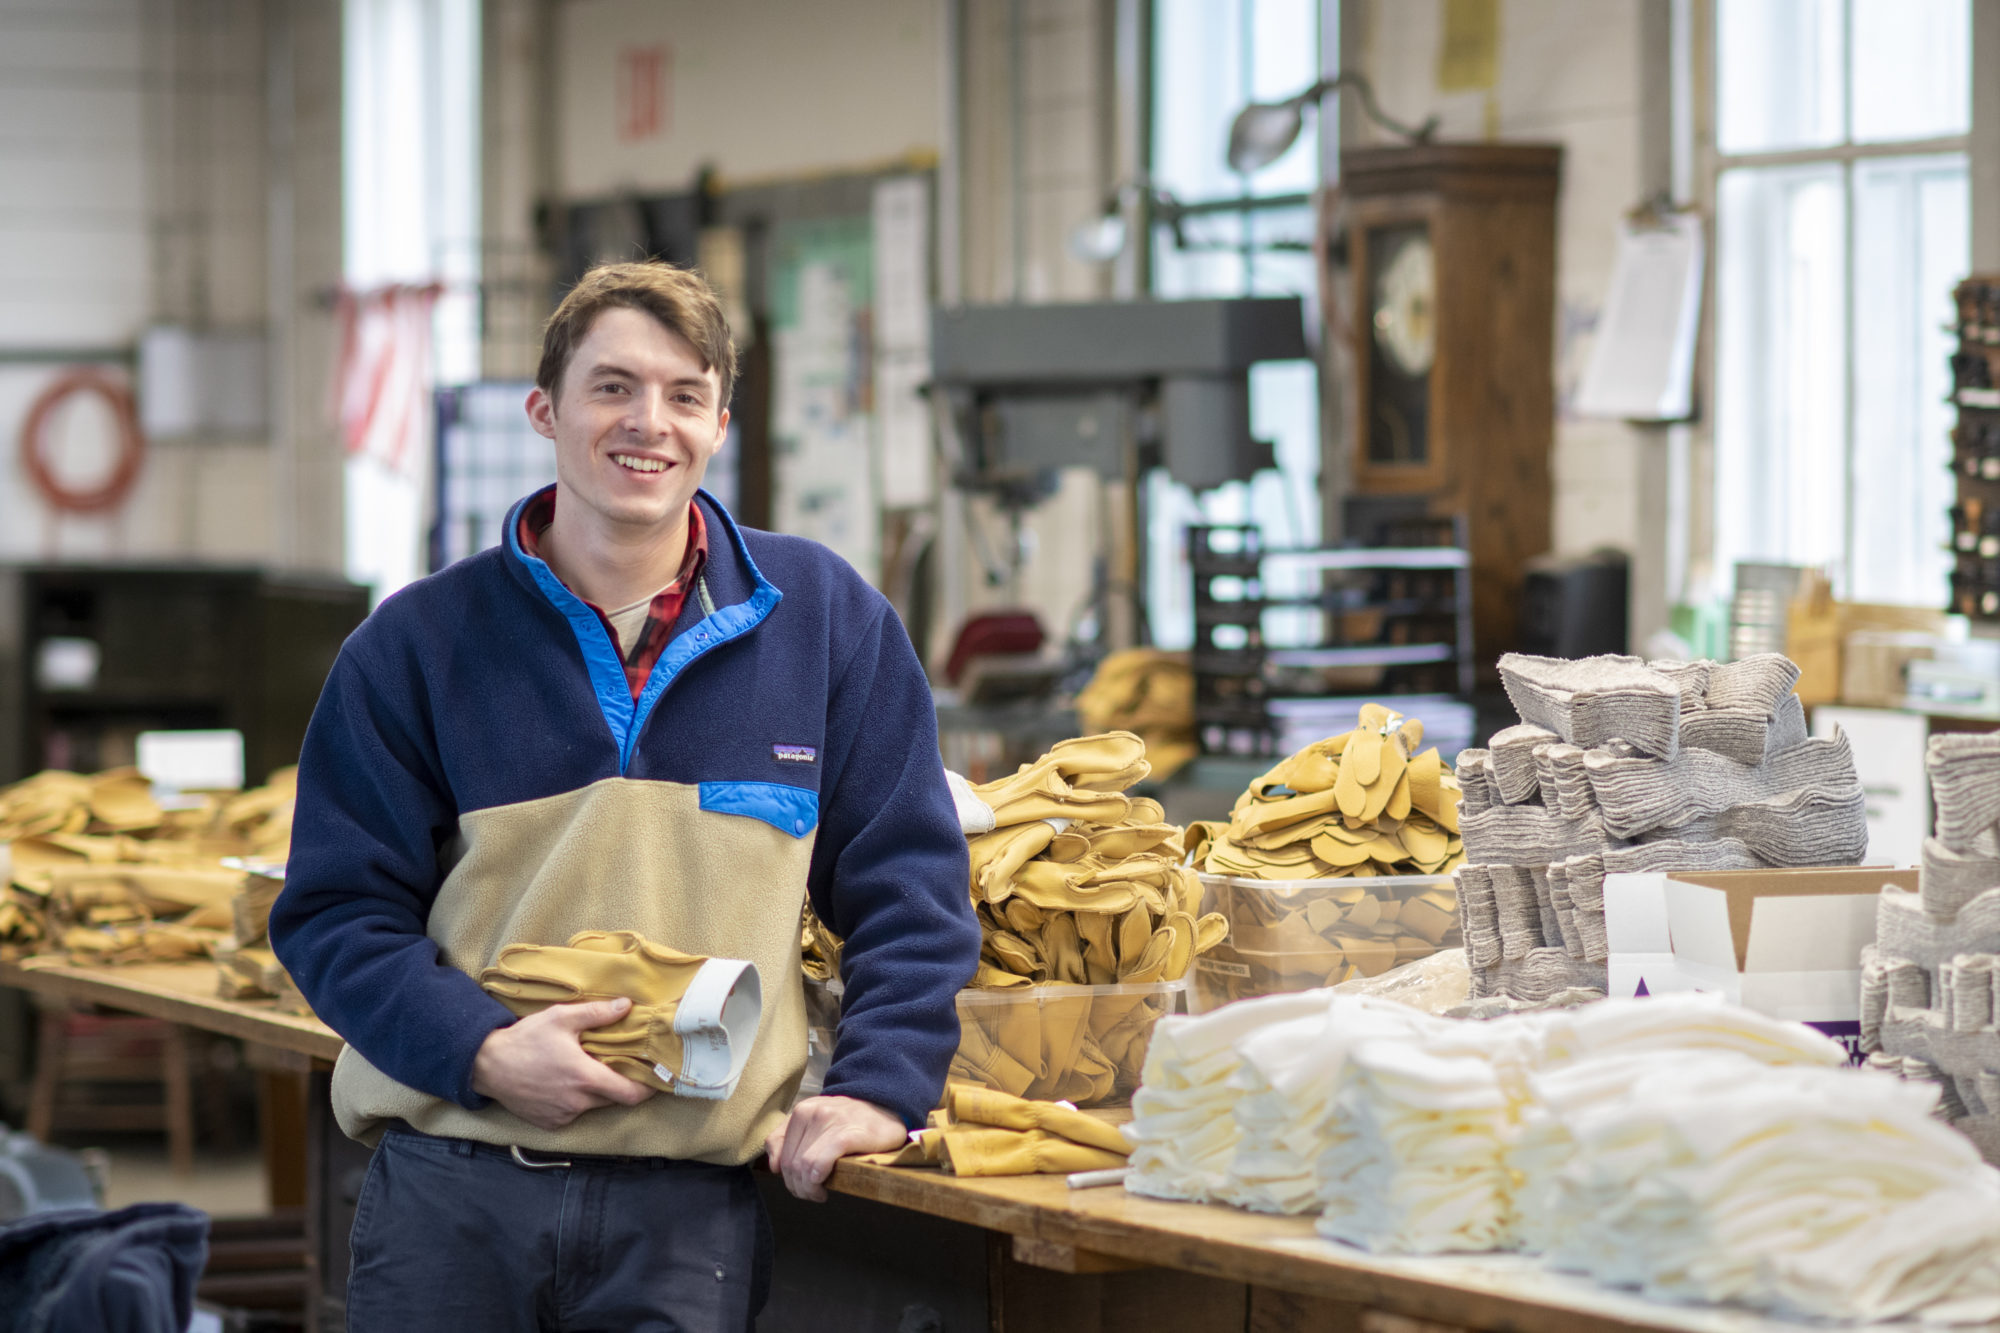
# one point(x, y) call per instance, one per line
point(1889, 750)
point(1786, 943)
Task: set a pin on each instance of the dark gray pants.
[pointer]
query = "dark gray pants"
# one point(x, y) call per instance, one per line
point(450, 1234)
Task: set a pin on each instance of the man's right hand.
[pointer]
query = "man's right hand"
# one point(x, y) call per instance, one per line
point(537, 1068)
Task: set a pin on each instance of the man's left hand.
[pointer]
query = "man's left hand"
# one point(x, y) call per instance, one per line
point(822, 1130)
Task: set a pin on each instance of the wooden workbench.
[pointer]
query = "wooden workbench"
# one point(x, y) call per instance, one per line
point(1031, 1224)
point(180, 993)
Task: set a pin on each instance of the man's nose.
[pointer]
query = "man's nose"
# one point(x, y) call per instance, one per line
point(650, 414)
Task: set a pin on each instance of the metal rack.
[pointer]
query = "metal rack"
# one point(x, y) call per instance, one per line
point(1400, 617)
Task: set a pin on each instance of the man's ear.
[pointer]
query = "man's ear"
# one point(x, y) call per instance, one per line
point(542, 413)
point(721, 433)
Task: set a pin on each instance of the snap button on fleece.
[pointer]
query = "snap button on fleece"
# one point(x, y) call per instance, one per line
point(799, 827)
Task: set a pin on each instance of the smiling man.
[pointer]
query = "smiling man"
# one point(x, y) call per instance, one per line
point(631, 715)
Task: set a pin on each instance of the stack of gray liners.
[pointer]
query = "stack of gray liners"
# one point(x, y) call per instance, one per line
point(1622, 765)
point(1928, 983)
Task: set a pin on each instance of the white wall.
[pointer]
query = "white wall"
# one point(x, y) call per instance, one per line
point(764, 88)
point(133, 137)
point(757, 88)
point(1585, 74)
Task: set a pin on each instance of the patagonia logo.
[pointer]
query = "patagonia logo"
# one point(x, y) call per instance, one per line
point(794, 754)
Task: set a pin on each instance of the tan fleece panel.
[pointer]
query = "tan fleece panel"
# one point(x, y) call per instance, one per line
point(620, 854)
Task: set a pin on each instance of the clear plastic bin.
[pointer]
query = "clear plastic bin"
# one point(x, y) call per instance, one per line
point(1081, 1044)
point(1294, 935)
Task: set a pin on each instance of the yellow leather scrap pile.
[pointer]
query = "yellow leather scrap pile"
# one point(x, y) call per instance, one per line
point(253, 972)
point(246, 967)
point(981, 1132)
point(98, 870)
point(1078, 884)
point(1366, 802)
point(819, 948)
point(1150, 693)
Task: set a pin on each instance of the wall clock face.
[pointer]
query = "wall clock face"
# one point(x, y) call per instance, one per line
point(1401, 300)
point(1406, 306)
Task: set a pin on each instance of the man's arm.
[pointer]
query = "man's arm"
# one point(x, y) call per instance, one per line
point(373, 809)
point(889, 876)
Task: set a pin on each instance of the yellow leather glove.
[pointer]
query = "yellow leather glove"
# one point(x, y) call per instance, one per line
point(980, 1151)
point(996, 856)
point(1072, 763)
point(692, 1019)
point(983, 1106)
point(980, 1059)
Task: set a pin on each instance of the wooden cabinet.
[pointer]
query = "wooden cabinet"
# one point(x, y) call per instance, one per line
point(1451, 257)
point(164, 647)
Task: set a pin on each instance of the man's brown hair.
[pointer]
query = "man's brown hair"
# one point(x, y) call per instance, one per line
point(679, 298)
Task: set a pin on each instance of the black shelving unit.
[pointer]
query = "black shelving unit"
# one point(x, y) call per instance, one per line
point(1975, 391)
point(1405, 609)
point(177, 647)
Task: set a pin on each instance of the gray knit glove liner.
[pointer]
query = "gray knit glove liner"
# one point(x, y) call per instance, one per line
point(1596, 699)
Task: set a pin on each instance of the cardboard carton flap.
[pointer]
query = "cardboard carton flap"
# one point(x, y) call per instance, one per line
point(1808, 932)
point(1741, 890)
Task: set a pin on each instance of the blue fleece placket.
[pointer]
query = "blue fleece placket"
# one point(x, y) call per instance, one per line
point(622, 714)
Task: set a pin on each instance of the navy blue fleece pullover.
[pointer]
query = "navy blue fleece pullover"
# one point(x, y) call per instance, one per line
point(796, 701)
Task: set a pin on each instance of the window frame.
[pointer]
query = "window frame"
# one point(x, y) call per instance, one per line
point(1699, 164)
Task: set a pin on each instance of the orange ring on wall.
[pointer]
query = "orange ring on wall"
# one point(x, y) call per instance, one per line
point(131, 443)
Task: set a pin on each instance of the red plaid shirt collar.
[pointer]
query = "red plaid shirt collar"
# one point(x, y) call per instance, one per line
point(658, 627)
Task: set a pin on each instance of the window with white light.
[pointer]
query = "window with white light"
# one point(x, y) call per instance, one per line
point(410, 159)
point(1210, 58)
point(1838, 172)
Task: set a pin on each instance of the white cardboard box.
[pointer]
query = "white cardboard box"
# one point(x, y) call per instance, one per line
point(1786, 943)
point(1889, 755)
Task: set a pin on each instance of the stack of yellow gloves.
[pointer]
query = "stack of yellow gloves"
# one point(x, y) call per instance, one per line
point(1148, 692)
point(981, 1132)
point(1366, 802)
point(1076, 884)
point(692, 1019)
point(99, 871)
point(1080, 883)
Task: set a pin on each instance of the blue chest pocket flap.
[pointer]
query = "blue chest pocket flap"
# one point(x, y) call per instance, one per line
point(792, 810)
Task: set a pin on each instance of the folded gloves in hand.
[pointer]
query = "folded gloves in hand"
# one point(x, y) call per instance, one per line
point(692, 1019)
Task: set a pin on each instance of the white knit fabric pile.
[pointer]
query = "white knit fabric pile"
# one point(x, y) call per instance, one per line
point(1695, 1150)
point(1183, 1129)
point(1286, 1085)
point(1622, 765)
point(1813, 1192)
point(1930, 984)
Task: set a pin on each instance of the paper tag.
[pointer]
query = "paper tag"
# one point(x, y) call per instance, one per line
point(666, 1074)
point(1219, 966)
point(192, 760)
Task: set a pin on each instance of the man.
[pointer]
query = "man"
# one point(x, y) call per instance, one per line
point(631, 715)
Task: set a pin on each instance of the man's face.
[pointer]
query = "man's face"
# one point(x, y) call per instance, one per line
point(635, 421)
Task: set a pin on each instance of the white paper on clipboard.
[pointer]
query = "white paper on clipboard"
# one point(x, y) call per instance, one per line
point(1642, 367)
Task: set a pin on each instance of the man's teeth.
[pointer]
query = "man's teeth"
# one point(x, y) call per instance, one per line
point(639, 464)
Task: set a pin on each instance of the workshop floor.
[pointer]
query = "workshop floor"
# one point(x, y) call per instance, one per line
point(224, 1184)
